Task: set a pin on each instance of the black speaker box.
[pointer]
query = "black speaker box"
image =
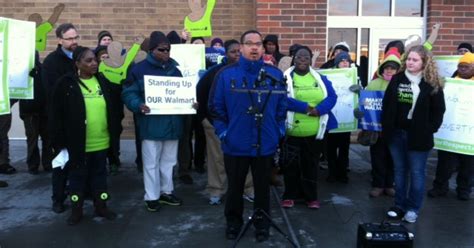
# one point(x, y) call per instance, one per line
point(385, 235)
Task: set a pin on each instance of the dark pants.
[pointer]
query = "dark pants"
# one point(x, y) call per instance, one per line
point(91, 176)
point(236, 169)
point(113, 155)
point(301, 173)
point(382, 165)
point(5, 125)
point(59, 182)
point(35, 127)
point(138, 143)
point(185, 147)
point(338, 154)
point(447, 163)
point(199, 143)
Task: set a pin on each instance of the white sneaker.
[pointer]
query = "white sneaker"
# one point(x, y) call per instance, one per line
point(410, 217)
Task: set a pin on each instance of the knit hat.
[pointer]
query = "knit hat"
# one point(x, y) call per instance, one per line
point(79, 53)
point(216, 40)
point(229, 43)
point(343, 46)
point(465, 45)
point(103, 34)
point(467, 58)
point(156, 38)
point(340, 57)
point(197, 38)
point(173, 37)
point(272, 38)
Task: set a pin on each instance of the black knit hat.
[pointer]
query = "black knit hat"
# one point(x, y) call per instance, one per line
point(156, 38)
point(103, 34)
point(173, 37)
point(465, 45)
point(79, 53)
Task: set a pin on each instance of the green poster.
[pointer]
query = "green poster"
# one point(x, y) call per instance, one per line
point(4, 96)
point(347, 100)
point(198, 22)
point(19, 55)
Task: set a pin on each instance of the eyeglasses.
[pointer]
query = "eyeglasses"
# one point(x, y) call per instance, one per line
point(163, 49)
point(303, 57)
point(71, 38)
point(249, 43)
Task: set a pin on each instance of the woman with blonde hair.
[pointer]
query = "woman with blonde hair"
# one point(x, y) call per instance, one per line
point(413, 108)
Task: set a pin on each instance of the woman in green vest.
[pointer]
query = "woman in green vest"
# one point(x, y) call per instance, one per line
point(82, 121)
point(307, 90)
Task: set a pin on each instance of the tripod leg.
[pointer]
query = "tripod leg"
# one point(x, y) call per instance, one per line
point(243, 230)
point(274, 225)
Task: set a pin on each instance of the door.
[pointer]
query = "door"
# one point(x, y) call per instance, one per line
point(379, 38)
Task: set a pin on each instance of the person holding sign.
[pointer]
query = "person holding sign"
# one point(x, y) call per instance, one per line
point(413, 108)
point(159, 133)
point(338, 143)
point(248, 101)
point(382, 164)
point(448, 161)
point(306, 130)
point(82, 123)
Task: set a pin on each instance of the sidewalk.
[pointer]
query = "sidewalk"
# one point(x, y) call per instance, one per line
point(26, 219)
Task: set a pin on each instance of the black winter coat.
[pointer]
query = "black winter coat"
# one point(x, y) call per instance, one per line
point(67, 121)
point(427, 115)
point(55, 65)
point(38, 103)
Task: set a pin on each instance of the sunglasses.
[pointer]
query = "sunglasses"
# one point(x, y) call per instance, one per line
point(163, 50)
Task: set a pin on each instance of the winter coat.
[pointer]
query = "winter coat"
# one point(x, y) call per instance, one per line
point(327, 119)
point(427, 115)
point(67, 117)
point(55, 65)
point(152, 127)
point(233, 102)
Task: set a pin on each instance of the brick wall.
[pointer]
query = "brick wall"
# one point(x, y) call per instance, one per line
point(457, 18)
point(127, 19)
point(296, 21)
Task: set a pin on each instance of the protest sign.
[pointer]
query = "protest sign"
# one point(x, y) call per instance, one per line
point(370, 103)
point(4, 96)
point(456, 134)
point(447, 65)
point(347, 101)
point(191, 58)
point(198, 22)
point(170, 95)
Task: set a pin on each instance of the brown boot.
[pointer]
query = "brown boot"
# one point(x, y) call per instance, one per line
point(77, 202)
point(101, 206)
point(275, 181)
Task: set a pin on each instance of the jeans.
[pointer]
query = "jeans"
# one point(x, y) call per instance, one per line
point(409, 171)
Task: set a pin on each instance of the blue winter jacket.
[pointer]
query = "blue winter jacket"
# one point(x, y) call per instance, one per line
point(234, 91)
point(152, 127)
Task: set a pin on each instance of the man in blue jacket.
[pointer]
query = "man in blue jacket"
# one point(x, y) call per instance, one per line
point(159, 133)
point(249, 112)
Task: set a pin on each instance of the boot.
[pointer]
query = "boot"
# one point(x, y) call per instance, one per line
point(101, 206)
point(77, 202)
point(275, 181)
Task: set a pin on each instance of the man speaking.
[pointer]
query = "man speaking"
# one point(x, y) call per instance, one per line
point(248, 102)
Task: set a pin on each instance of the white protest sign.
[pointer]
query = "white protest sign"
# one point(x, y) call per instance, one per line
point(456, 134)
point(190, 57)
point(447, 65)
point(170, 95)
point(347, 101)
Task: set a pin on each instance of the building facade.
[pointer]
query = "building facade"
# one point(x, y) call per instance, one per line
point(366, 25)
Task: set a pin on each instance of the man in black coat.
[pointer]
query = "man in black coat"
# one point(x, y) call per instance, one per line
point(57, 64)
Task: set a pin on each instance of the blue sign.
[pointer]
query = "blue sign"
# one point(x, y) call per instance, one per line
point(370, 103)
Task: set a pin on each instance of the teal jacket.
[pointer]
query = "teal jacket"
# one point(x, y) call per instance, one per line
point(152, 127)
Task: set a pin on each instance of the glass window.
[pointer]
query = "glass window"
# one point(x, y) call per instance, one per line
point(408, 8)
point(349, 35)
point(343, 7)
point(376, 7)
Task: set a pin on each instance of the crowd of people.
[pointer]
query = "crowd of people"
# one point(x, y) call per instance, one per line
point(254, 104)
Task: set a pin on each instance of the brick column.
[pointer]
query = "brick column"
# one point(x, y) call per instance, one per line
point(294, 21)
point(457, 18)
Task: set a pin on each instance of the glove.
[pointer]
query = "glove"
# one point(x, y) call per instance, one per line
point(222, 136)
